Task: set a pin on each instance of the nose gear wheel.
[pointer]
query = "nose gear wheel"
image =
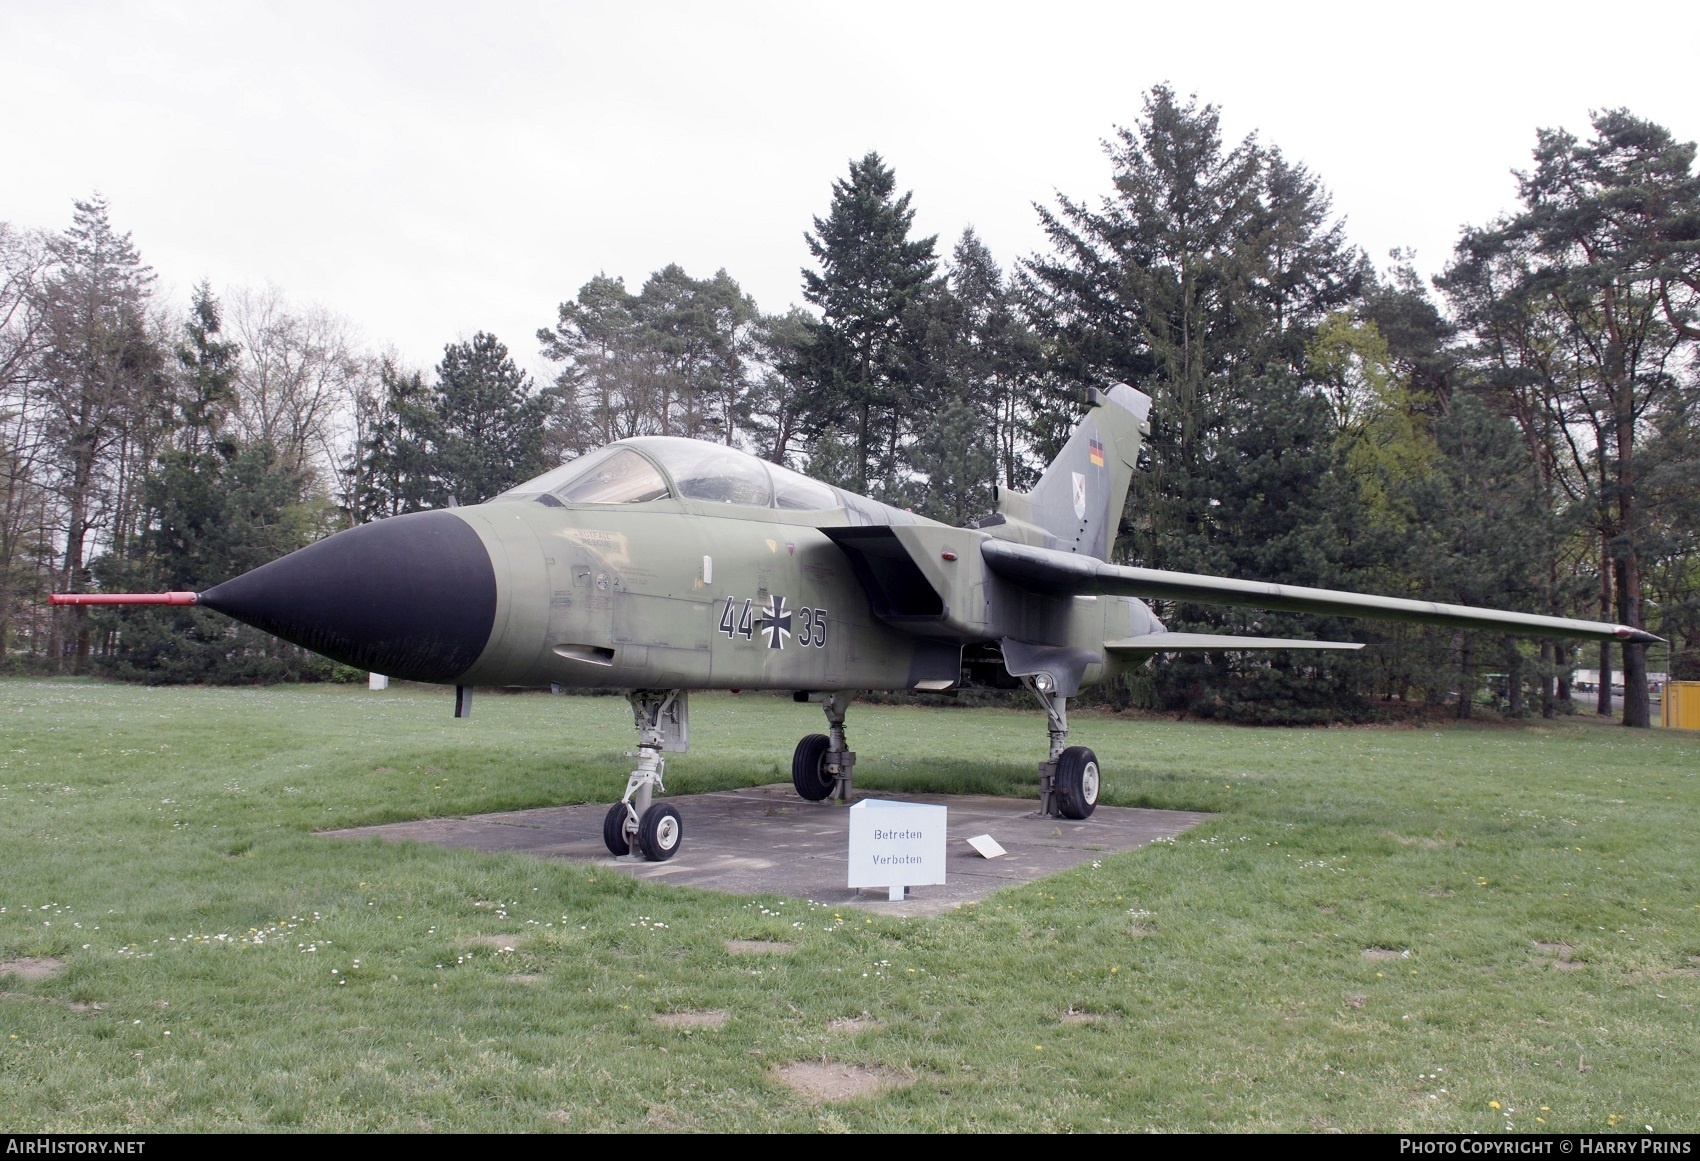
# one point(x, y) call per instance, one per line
point(614, 827)
point(660, 833)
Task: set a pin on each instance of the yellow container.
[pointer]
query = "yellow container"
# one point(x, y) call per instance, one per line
point(1681, 705)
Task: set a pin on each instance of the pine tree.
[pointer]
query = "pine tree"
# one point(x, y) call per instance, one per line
point(959, 465)
point(478, 431)
point(1586, 302)
point(212, 509)
point(990, 359)
point(1206, 269)
point(102, 372)
point(1421, 342)
point(393, 470)
point(775, 405)
point(1484, 537)
point(670, 360)
point(1202, 279)
point(1671, 549)
point(863, 354)
point(598, 340)
point(205, 387)
point(487, 422)
point(1281, 505)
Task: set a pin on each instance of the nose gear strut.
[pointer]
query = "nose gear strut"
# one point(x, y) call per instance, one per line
point(661, 717)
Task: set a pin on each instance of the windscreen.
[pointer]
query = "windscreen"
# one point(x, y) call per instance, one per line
point(623, 478)
point(611, 475)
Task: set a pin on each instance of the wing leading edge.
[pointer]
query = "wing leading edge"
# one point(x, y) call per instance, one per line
point(1056, 573)
point(1214, 642)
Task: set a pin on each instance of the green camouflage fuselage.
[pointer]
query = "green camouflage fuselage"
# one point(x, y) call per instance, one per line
point(690, 594)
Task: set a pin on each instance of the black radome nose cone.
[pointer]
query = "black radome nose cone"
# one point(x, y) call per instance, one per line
point(412, 597)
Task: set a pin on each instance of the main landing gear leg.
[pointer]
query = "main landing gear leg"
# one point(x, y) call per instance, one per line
point(1068, 779)
point(636, 820)
point(840, 760)
point(822, 763)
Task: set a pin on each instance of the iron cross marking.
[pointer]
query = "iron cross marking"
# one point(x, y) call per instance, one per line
point(776, 622)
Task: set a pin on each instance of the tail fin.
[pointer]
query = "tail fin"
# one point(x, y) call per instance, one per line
point(1077, 503)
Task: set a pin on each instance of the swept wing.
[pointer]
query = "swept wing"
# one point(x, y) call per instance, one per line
point(1055, 573)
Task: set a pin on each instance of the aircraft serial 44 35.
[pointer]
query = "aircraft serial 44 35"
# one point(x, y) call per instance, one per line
point(662, 565)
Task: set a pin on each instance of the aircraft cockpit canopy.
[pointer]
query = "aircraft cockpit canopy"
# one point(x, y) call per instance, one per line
point(632, 472)
point(711, 471)
point(610, 475)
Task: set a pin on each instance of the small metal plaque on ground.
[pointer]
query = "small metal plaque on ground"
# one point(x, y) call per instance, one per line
point(765, 840)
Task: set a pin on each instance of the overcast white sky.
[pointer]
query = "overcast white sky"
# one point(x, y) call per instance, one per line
point(429, 170)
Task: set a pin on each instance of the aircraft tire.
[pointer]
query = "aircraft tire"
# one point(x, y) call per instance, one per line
point(660, 833)
point(808, 768)
point(614, 831)
point(1077, 782)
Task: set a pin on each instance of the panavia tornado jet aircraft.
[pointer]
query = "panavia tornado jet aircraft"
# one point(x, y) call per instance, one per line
point(664, 565)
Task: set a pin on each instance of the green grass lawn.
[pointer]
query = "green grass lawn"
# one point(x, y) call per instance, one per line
point(1384, 929)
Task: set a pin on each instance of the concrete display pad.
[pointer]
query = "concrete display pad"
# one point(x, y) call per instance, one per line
point(764, 840)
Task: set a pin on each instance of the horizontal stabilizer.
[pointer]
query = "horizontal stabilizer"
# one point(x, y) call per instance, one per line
point(1045, 570)
point(1184, 642)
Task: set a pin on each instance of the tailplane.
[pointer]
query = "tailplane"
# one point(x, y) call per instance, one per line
point(1077, 504)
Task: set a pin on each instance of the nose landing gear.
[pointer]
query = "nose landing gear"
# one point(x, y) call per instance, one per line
point(655, 829)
